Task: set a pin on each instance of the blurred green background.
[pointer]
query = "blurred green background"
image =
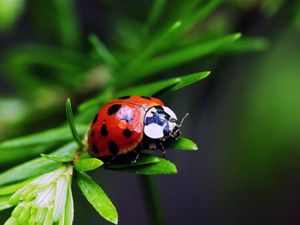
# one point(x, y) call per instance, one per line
point(245, 117)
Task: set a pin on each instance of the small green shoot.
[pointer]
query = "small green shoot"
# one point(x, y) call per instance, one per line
point(103, 52)
point(71, 121)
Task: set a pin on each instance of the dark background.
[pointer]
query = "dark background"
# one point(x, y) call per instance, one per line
point(245, 119)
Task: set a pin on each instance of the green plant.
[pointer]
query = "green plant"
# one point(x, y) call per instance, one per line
point(158, 47)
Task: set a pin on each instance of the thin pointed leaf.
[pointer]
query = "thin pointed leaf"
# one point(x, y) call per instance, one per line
point(45, 137)
point(146, 53)
point(159, 87)
point(155, 13)
point(69, 209)
point(36, 166)
point(189, 79)
point(181, 56)
point(10, 189)
point(102, 98)
point(190, 15)
point(103, 52)
point(4, 202)
point(143, 159)
point(87, 164)
point(19, 154)
point(56, 159)
point(97, 197)
point(199, 14)
point(182, 144)
point(162, 167)
point(248, 44)
point(71, 121)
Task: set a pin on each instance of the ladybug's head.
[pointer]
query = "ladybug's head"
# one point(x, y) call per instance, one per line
point(160, 123)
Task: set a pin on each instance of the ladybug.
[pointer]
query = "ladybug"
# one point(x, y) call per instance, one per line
point(128, 123)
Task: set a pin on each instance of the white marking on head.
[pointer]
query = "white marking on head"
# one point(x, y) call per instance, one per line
point(154, 131)
point(170, 112)
point(149, 112)
point(172, 126)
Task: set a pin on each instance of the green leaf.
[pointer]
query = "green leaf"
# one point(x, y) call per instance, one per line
point(56, 159)
point(159, 87)
point(103, 52)
point(186, 54)
point(45, 137)
point(18, 154)
point(4, 202)
point(248, 44)
point(97, 197)
point(198, 14)
point(162, 167)
point(36, 167)
point(87, 164)
point(155, 13)
point(145, 53)
point(100, 99)
point(65, 22)
point(69, 209)
point(143, 159)
point(182, 144)
point(10, 189)
point(71, 121)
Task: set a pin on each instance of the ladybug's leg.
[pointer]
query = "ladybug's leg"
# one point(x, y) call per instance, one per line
point(162, 149)
point(136, 156)
point(152, 146)
point(111, 160)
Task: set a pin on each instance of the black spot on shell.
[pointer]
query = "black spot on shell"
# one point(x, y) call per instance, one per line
point(95, 148)
point(113, 109)
point(103, 130)
point(95, 119)
point(127, 133)
point(92, 133)
point(124, 97)
point(146, 97)
point(113, 147)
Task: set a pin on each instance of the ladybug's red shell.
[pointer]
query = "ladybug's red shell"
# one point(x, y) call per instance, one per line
point(118, 126)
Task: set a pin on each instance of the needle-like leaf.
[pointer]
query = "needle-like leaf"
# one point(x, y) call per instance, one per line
point(103, 52)
point(36, 166)
point(4, 202)
point(71, 121)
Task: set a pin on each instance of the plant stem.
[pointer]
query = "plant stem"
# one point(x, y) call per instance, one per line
point(151, 195)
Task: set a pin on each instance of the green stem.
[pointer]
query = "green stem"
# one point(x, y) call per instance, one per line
point(152, 198)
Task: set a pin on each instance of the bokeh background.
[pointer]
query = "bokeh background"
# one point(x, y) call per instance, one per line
point(245, 117)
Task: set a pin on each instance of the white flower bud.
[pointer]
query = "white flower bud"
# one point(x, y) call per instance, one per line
point(43, 200)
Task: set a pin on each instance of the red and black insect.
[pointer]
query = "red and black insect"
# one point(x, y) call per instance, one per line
point(124, 124)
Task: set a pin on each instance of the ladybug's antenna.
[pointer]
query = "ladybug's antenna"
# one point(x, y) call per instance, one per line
point(183, 118)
